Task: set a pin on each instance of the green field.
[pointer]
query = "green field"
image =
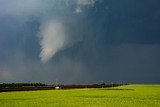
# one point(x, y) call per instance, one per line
point(123, 96)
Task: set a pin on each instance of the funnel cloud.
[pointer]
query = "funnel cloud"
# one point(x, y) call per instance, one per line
point(52, 39)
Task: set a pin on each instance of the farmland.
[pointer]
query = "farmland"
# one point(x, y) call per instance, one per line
point(122, 96)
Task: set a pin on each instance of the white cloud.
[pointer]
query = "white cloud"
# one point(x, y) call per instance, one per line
point(78, 10)
point(83, 3)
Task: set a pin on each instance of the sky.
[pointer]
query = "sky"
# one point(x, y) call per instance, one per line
point(80, 41)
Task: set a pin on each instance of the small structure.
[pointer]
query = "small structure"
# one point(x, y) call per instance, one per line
point(56, 87)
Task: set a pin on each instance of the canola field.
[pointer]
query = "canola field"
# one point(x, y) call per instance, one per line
point(140, 95)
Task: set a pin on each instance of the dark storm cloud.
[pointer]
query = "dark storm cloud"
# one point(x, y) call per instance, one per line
point(79, 41)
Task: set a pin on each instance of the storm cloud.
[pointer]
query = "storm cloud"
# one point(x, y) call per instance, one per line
point(79, 41)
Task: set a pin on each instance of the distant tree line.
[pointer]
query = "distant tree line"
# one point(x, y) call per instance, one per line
point(21, 84)
point(18, 85)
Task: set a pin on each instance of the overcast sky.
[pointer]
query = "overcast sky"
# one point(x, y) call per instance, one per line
point(80, 41)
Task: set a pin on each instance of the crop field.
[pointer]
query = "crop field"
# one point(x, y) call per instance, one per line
point(123, 96)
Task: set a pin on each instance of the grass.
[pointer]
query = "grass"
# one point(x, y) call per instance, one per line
point(123, 96)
